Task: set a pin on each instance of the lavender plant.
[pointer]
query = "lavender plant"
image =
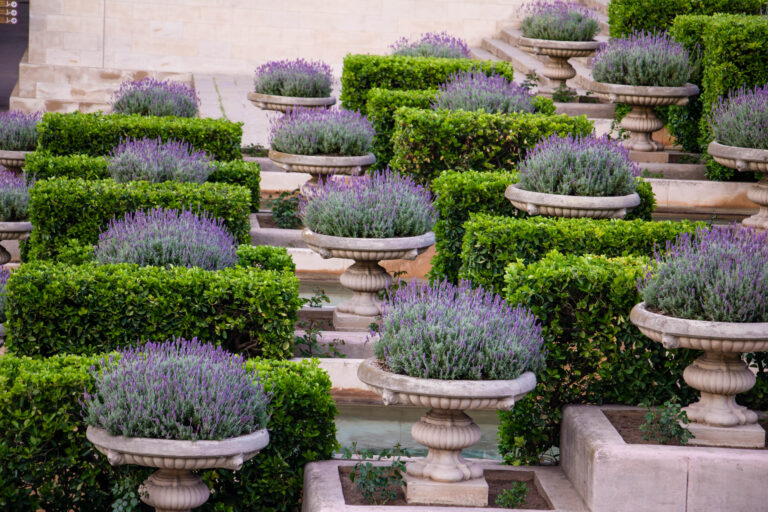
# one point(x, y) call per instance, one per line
point(717, 274)
point(150, 97)
point(161, 237)
point(559, 20)
point(643, 59)
point(18, 131)
point(297, 78)
point(182, 390)
point(157, 161)
point(432, 44)
point(4, 275)
point(14, 195)
point(443, 331)
point(741, 118)
point(473, 90)
point(381, 205)
point(308, 131)
point(578, 166)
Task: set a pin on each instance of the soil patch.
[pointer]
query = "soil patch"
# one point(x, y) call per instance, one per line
point(497, 482)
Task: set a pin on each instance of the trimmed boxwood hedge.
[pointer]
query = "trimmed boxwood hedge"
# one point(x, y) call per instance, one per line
point(42, 435)
point(492, 242)
point(364, 72)
point(427, 142)
point(45, 166)
point(97, 134)
point(64, 210)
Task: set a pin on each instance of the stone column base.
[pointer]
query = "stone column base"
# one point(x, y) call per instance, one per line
point(740, 436)
point(469, 493)
point(350, 322)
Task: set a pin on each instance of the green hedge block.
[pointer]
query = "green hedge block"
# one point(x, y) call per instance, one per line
point(266, 257)
point(87, 309)
point(362, 73)
point(427, 142)
point(97, 134)
point(42, 434)
point(44, 166)
point(63, 209)
point(595, 354)
point(492, 242)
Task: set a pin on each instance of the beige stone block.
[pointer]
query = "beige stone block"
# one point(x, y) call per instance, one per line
point(38, 22)
point(214, 49)
point(201, 30)
point(90, 58)
point(46, 7)
point(119, 10)
point(59, 91)
point(470, 493)
point(163, 29)
point(152, 46)
point(84, 7)
point(64, 23)
point(26, 104)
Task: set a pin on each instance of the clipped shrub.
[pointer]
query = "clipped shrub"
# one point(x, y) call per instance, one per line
point(297, 78)
point(92, 308)
point(96, 134)
point(301, 430)
point(362, 73)
point(644, 59)
point(472, 90)
point(266, 257)
point(151, 97)
point(309, 131)
point(595, 354)
point(18, 131)
point(427, 142)
point(448, 332)
point(741, 119)
point(578, 166)
point(14, 196)
point(156, 161)
point(380, 205)
point(65, 209)
point(162, 238)
point(492, 242)
point(559, 20)
point(432, 44)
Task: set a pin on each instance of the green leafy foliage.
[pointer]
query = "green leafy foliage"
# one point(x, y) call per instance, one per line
point(97, 134)
point(90, 308)
point(42, 434)
point(285, 210)
point(63, 209)
point(493, 242)
point(364, 72)
point(514, 497)
point(427, 142)
point(238, 172)
point(378, 483)
point(665, 423)
point(265, 257)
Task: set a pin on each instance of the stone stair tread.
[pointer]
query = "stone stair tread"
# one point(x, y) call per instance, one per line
point(479, 53)
point(675, 171)
point(597, 5)
point(523, 62)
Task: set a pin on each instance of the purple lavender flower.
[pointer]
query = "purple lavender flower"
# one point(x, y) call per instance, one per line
point(474, 90)
point(150, 97)
point(718, 274)
point(4, 275)
point(161, 237)
point(297, 78)
point(432, 44)
point(309, 131)
point(14, 195)
point(381, 205)
point(559, 20)
point(578, 166)
point(18, 131)
point(183, 390)
point(741, 118)
point(643, 59)
point(443, 331)
point(157, 161)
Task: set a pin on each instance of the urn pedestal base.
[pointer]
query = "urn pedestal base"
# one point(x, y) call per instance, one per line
point(174, 490)
point(469, 493)
point(741, 436)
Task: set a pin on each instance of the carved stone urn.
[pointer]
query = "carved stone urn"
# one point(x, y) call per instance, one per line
point(12, 231)
point(284, 103)
point(444, 477)
point(747, 160)
point(720, 373)
point(321, 165)
point(557, 205)
point(366, 278)
point(558, 68)
point(13, 160)
point(641, 121)
point(174, 486)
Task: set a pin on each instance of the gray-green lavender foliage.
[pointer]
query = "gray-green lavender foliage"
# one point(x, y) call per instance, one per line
point(474, 90)
point(18, 131)
point(14, 196)
point(156, 161)
point(310, 131)
point(559, 20)
point(741, 118)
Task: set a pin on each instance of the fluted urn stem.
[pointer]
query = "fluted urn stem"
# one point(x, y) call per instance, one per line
point(366, 279)
point(758, 194)
point(641, 122)
point(559, 70)
point(174, 490)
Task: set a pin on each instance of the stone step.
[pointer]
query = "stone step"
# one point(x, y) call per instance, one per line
point(523, 62)
point(479, 53)
point(600, 6)
point(674, 171)
point(602, 19)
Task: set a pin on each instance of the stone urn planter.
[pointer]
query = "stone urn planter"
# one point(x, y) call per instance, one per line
point(12, 231)
point(747, 160)
point(13, 160)
point(174, 487)
point(558, 68)
point(444, 477)
point(720, 373)
point(284, 103)
point(322, 165)
point(366, 278)
point(641, 122)
point(556, 205)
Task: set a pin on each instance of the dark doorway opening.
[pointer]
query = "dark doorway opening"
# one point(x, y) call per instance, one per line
point(14, 38)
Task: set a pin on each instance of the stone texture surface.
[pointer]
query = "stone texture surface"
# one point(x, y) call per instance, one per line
point(555, 205)
point(469, 493)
